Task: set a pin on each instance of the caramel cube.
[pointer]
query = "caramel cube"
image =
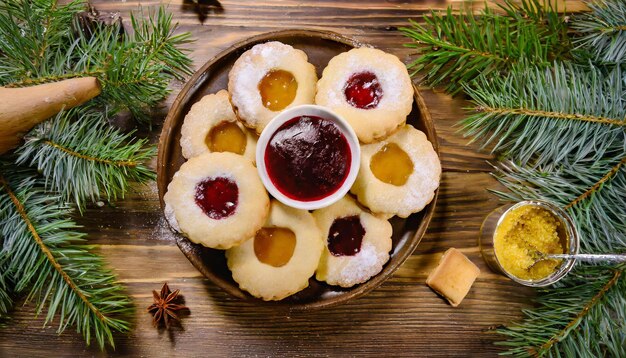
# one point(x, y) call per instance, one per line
point(454, 276)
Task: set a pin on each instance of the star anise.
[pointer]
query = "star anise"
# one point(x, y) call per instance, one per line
point(165, 306)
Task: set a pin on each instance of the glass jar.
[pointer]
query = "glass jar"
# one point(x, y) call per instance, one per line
point(567, 233)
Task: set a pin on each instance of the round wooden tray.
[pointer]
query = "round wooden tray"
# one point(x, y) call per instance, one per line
point(320, 46)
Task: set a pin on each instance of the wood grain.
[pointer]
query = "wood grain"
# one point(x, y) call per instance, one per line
point(402, 317)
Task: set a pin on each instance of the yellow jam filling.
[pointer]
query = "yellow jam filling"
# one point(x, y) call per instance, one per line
point(226, 137)
point(524, 234)
point(391, 165)
point(278, 89)
point(274, 246)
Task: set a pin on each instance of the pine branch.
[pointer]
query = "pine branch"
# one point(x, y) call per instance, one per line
point(455, 48)
point(584, 316)
point(41, 252)
point(6, 289)
point(570, 115)
point(598, 185)
point(602, 33)
point(83, 158)
point(30, 33)
point(134, 70)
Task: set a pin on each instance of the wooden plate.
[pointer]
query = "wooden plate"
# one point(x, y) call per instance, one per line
point(320, 47)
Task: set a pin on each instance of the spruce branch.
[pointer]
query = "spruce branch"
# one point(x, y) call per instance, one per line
point(31, 32)
point(6, 290)
point(42, 252)
point(83, 158)
point(567, 114)
point(538, 12)
point(598, 185)
point(602, 32)
point(134, 69)
point(161, 43)
point(454, 48)
point(583, 316)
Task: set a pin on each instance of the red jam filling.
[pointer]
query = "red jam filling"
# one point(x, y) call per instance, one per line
point(363, 90)
point(217, 197)
point(308, 158)
point(345, 236)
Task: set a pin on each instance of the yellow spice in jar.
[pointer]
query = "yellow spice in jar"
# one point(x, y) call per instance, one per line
point(523, 235)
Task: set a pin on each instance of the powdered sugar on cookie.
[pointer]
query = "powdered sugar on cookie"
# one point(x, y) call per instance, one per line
point(372, 122)
point(387, 199)
point(253, 66)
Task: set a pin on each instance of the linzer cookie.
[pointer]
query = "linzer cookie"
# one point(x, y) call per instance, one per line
point(211, 126)
point(399, 175)
point(357, 243)
point(281, 257)
point(370, 88)
point(268, 78)
point(217, 200)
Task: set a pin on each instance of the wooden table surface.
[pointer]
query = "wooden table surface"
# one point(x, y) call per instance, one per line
point(403, 317)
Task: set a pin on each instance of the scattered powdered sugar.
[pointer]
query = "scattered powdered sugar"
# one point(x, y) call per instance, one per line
point(363, 265)
point(171, 217)
point(163, 230)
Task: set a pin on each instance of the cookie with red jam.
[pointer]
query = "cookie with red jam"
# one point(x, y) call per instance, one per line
point(357, 243)
point(217, 200)
point(370, 88)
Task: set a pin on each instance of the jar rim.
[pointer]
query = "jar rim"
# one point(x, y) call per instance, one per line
point(573, 240)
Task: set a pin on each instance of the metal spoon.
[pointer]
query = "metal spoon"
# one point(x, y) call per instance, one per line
point(611, 258)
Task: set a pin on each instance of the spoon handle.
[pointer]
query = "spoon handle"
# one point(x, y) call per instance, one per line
point(616, 258)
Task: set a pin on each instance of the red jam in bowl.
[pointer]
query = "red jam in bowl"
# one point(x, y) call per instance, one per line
point(308, 158)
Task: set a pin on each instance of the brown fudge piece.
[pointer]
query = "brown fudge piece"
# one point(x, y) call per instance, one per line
point(454, 276)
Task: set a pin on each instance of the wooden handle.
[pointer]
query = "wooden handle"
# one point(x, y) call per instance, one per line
point(22, 108)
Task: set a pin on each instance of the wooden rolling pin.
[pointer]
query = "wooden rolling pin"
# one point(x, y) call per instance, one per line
point(22, 108)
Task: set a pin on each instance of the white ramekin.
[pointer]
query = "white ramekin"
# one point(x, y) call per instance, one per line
point(308, 110)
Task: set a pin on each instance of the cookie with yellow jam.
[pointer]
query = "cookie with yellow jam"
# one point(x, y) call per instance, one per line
point(357, 243)
point(217, 200)
point(267, 79)
point(399, 175)
point(279, 260)
point(211, 126)
point(370, 88)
